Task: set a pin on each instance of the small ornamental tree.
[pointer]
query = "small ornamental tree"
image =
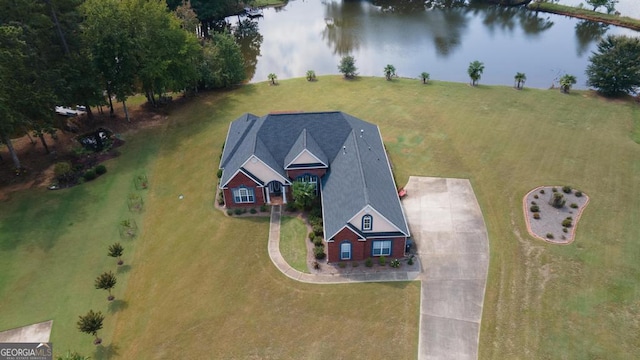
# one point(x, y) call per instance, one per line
point(475, 71)
point(566, 82)
point(272, 77)
point(425, 77)
point(311, 75)
point(116, 250)
point(389, 72)
point(106, 281)
point(557, 200)
point(90, 324)
point(520, 78)
point(347, 67)
point(304, 193)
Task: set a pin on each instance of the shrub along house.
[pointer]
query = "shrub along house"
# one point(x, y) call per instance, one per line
point(344, 158)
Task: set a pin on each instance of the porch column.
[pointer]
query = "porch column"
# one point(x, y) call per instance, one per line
point(284, 194)
point(266, 191)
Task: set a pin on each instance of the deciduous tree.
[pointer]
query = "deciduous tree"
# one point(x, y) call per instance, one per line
point(347, 67)
point(106, 281)
point(90, 324)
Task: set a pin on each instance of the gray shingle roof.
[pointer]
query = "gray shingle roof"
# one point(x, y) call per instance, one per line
point(359, 172)
point(305, 141)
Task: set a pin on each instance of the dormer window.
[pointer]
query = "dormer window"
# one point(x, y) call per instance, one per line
point(367, 223)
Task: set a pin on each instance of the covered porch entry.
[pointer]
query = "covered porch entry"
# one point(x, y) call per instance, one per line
point(275, 193)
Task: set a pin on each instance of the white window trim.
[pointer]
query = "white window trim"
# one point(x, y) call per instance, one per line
point(364, 222)
point(382, 247)
point(243, 192)
point(342, 251)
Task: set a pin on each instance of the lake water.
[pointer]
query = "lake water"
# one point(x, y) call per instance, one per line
point(314, 35)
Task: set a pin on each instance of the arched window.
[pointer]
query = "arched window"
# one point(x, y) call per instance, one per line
point(309, 178)
point(367, 223)
point(345, 250)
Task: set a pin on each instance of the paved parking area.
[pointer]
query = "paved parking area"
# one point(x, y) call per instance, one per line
point(451, 240)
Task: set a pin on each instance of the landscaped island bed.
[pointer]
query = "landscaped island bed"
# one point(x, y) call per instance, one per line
point(196, 276)
point(552, 212)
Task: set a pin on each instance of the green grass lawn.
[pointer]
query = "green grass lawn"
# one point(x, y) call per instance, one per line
point(293, 234)
point(198, 277)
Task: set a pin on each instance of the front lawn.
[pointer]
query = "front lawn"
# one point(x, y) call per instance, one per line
point(293, 234)
point(199, 277)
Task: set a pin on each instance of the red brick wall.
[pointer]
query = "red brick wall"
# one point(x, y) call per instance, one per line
point(237, 181)
point(361, 250)
point(293, 174)
point(358, 252)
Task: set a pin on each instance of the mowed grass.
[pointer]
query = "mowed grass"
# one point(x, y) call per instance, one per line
point(53, 244)
point(201, 284)
point(293, 234)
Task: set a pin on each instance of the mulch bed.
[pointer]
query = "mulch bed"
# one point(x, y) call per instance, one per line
point(549, 226)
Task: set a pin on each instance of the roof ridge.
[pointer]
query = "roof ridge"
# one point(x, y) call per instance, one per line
point(359, 163)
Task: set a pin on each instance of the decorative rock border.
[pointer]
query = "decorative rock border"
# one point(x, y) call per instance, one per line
point(550, 221)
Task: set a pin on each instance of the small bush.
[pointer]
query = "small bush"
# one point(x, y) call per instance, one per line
point(318, 252)
point(229, 212)
point(316, 212)
point(535, 196)
point(89, 175)
point(573, 206)
point(290, 207)
point(318, 241)
point(219, 173)
point(253, 211)
point(554, 189)
point(564, 230)
point(318, 230)
point(316, 265)
point(536, 216)
point(558, 200)
point(342, 265)
point(578, 193)
point(567, 222)
point(410, 262)
point(566, 189)
point(534, 208)
point(263, 208)
point(312, 236)
point(541, 191)
point(368, 262)
point(62, 169)
point(237, 211)
point(395, 263)
point(549, 236)
point(382, 261)
point(101, 169)
point(533, 203)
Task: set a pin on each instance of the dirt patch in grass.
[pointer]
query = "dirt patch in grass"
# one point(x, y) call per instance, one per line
point(38, 164)
point(554, 224)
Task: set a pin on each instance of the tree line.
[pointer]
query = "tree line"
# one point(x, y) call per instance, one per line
point(92, 52)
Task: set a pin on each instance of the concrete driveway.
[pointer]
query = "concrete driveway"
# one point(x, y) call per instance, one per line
point(451, 240)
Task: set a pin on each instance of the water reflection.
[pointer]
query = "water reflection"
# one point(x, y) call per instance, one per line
point(588, 33)
point(437, 36)
point(249, 39)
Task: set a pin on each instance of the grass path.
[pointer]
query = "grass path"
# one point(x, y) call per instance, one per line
point(293, 234)
point(198, 277)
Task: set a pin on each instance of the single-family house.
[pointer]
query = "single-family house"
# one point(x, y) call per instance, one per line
point(343, 156)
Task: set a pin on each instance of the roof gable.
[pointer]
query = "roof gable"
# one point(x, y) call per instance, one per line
point(305, 150)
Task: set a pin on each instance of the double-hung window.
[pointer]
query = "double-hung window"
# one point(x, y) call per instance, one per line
point(345, 251)
point(312, 179)
point(381, 247)
point(243, 195)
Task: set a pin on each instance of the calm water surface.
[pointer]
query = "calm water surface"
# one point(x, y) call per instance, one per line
point(314, 35)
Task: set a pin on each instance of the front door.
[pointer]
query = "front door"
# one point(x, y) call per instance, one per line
point(275, 188)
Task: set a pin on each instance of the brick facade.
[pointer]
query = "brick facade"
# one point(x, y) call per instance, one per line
point(293, 174)
point(237, 181)
point(361, 250)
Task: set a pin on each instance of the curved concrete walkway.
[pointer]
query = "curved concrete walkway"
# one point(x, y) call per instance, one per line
point(452, 244)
